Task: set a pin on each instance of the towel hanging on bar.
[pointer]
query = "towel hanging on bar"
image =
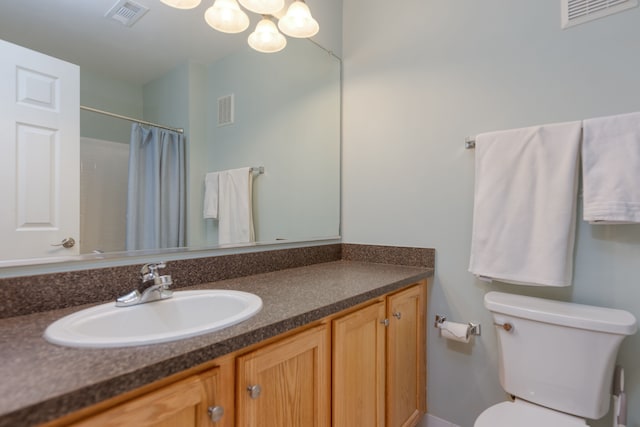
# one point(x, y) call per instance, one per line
point(469, 142)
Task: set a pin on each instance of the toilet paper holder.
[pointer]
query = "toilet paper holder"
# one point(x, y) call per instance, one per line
point(472, 329)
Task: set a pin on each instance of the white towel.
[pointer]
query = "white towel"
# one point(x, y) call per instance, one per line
point(611, 169)
point(525, 200)
point(211, 195)
point(235, 216)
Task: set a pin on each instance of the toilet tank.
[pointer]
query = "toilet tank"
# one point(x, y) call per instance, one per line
point(558, 354)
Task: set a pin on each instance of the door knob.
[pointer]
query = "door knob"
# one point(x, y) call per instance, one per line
point(67, 243)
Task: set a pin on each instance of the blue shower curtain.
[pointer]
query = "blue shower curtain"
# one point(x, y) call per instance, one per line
point(156, 200)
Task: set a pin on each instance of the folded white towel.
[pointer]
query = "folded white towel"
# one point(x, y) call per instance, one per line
point(211, 195)
point(525, 200)
point(611, 169)
point(235, 210)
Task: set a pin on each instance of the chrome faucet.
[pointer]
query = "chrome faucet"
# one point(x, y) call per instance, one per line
point(159, 290)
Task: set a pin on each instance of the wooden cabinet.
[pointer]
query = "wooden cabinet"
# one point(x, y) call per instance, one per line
point(181, 404)
point(406, 357)
point(374, 375)
point(379, 369)
point(202, 397)
point(359, 368)
point(286, 384)
point(219, 389)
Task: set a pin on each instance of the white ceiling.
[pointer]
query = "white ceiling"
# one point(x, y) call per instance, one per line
point(78, 32)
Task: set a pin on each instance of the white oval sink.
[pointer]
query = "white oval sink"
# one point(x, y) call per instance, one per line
point(186, 314)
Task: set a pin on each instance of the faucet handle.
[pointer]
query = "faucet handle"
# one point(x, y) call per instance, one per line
point(150, 271)
point(164, 281)
point(152, 267)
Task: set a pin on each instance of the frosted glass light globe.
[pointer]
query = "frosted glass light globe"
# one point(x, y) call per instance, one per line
point(226, 16)
point(266, 37)
point(182, 4)
point(298, 21)
point(263, 7)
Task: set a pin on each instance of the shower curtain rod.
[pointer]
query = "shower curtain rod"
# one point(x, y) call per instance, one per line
point(118, 116)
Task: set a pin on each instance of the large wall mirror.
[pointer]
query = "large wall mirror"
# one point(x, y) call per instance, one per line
point(170, 68)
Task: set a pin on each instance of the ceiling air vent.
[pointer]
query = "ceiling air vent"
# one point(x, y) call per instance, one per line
point(575, 12)
point(225, 110)
point(126, 12)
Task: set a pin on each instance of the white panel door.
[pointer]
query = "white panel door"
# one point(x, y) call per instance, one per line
point(39, 154)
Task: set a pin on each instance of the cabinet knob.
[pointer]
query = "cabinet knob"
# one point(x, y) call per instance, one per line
point(215, 413)
point(254, 391)
point(397, 315)
point(385, 322)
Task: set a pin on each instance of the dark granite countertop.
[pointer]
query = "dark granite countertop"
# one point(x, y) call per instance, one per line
point(42, 381)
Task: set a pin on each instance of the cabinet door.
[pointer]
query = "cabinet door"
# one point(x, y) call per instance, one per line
point(359, 368)
point(406, 347)
point(286, 384)
point(176, 405)
point(219, 384)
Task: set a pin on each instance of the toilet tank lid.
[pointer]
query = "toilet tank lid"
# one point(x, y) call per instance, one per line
point(568, 314)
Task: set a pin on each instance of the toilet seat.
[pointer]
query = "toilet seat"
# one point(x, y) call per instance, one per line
point(524, 414)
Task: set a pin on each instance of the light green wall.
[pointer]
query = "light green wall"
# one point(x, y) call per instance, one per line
point(328, 13)
point(166, 99)
point(108, 94)
point(198, 149)
point(417, 82)
point(287, 119)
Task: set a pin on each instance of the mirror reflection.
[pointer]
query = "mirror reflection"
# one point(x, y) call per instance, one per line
point(274, 116)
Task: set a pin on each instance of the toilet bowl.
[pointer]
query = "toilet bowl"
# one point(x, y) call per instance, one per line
point(520, 413)
point(554, 388)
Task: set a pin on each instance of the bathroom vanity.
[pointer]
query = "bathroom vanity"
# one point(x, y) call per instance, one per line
point(335, 342)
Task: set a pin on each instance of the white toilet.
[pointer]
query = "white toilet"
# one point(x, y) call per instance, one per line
point(556, 358)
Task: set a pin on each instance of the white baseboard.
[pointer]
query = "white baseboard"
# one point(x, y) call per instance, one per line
point(433, 421)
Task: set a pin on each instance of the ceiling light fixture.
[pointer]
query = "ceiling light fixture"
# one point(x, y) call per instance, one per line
point(182, 4)
point(266, 38)
point(263, 7)
point(298, 22)
point(228, 17)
